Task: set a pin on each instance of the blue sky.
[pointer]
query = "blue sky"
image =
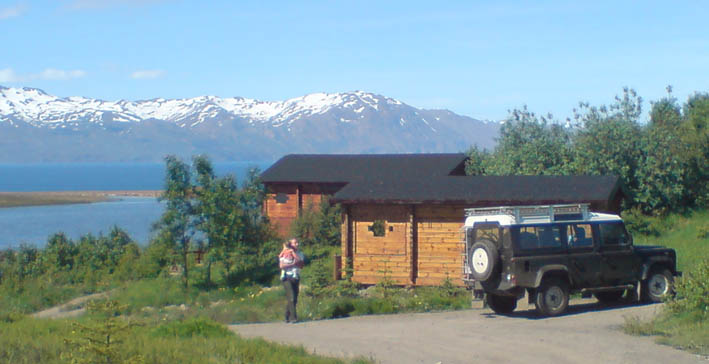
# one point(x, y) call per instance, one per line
point(476, 58)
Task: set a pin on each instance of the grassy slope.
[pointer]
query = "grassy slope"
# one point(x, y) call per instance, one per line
point(154, 343)
point(686, 330)
point(683, 236)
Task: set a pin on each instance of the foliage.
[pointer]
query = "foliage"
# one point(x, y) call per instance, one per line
point(682, 233)
point(386, 284)
point(100, 340)
point(178, 224)
point(33, 278)
point(477, 161)
point(692, 293)
point(30, 341)
point(684, 319)
point(528, 145)
point(317, 228)
point(639, 223)
point(663, 163)
point(192, 327)
point(205, 212)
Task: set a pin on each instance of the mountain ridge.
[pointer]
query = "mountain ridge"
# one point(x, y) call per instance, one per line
point(38, 127)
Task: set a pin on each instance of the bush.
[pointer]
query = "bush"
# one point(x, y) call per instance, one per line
point(191, 328)
point(639, 223)
point(692, 293)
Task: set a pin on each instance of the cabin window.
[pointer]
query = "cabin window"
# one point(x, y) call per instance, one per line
point(281, 197)
point(378, 228)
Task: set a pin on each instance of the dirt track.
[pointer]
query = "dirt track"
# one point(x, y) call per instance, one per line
point(588, 334)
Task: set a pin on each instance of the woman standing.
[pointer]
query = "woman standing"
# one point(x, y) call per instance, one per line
point(291, 277)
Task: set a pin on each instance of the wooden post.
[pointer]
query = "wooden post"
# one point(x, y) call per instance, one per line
point(337, 272)
point(346, 237)
point(299, 195)
point(413, 246)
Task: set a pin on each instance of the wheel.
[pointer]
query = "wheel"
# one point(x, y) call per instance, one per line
point(501, 304)
point(609, 296)
point(657, 286)
point(482, 259)
point(552, 297)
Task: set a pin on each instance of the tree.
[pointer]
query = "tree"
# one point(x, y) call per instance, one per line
point(696, 112)
point(178, 224)
point(664, 165)
point(608, 141)
point(528, 145)
point(219, 215)
point(60, 252)
point(477, 161)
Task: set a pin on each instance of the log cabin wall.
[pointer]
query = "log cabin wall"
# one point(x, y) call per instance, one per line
point(421, 245)
point(374, 255)
point(281, 206)
point(439, 244)
point(284, 202)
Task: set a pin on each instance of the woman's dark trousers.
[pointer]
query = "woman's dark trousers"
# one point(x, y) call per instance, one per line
point(292, 286)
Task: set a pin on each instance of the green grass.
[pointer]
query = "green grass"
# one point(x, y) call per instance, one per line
point(684, 321)
point(198, 341)
point(686, 234)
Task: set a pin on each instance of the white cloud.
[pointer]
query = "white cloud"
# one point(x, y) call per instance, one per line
point(12, 11)
point(60, 75)
point(49, 74)
point(8, 75)
point(147, 74)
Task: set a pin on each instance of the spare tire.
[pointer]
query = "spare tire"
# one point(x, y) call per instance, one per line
point(483, 260)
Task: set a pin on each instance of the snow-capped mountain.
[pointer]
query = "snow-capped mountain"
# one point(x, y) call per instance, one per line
point(36, 126)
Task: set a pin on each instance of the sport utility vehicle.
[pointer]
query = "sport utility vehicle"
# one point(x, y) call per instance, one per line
point(553, 250)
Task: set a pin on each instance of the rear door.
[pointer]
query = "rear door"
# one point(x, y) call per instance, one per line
point(584, 260)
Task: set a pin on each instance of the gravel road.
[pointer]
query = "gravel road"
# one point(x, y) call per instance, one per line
point(589, 333)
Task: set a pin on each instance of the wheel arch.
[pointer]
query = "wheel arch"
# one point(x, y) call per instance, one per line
point(554, 270)
point(656, 263)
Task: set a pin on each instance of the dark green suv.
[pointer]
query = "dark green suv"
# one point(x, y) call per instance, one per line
point(552, 251)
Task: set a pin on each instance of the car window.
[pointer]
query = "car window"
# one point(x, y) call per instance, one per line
point(579, 235)
point(539, 237)
point(613, 234)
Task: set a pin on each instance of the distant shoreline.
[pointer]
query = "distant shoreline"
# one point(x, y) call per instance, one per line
point(20, 199)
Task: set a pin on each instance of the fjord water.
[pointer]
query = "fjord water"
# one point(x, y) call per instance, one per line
point(101, 176)
point(33, 225)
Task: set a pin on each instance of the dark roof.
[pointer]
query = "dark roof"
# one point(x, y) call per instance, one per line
point(482, 190)
point(345, 168)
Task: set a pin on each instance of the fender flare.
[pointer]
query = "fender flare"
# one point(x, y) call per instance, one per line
point(656, 260)
point(551, 268)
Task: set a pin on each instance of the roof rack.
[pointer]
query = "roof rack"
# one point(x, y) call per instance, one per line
point(535, 213)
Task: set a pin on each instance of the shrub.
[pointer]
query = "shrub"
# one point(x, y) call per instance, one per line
point(692, 293)
point(191, 328)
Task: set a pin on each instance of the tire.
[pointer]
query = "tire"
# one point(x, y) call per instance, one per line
point(609, 297)
point(501, 305)
point(552, 297)
point(483, 260)
point(658, 285)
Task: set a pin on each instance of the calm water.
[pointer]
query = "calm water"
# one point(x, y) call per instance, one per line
point(135, 215)
point(93, 177)
point(33, 225)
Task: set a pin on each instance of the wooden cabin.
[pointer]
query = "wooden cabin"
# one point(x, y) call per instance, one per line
point(403, 214)
point(298, 180)
point(410, 229)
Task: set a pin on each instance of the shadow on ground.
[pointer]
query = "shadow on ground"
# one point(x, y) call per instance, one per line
point(574, 309)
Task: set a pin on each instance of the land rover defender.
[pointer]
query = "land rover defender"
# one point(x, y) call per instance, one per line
point(551, 251)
